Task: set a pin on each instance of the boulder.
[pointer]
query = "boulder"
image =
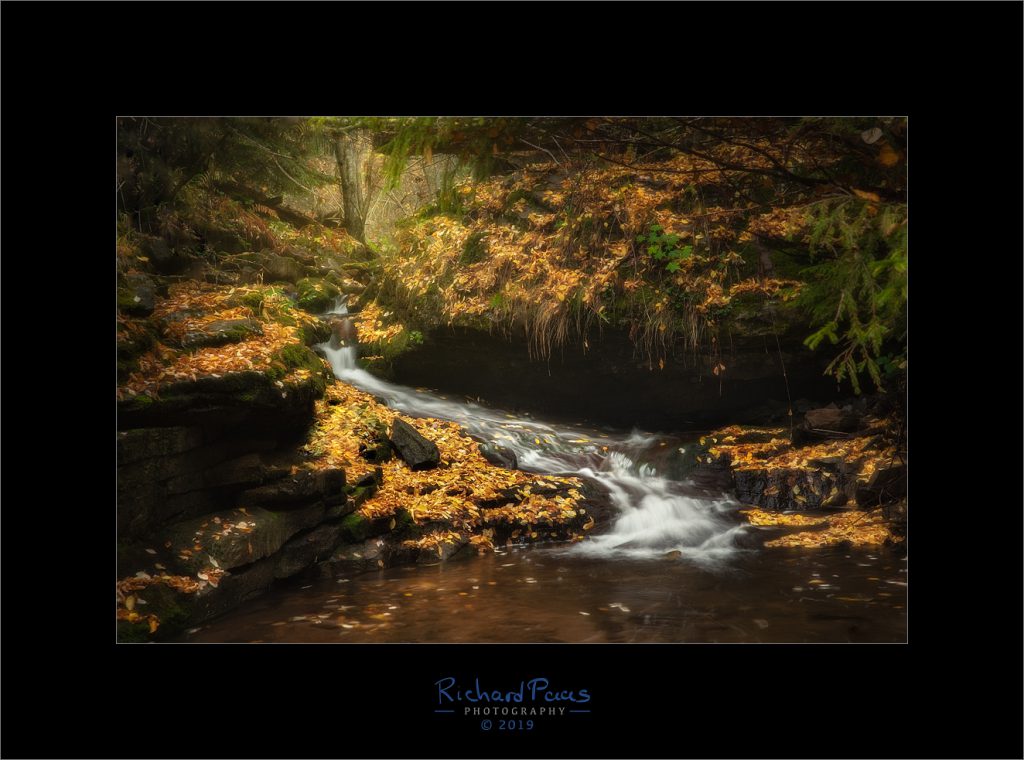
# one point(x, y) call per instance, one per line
point(177, 609)
point(833, 419)
point(165, 258)
point(144, 443)
point(356, 528)
point(886, 485)
point(315, 295)
point(784, 488)
point(137, 296)
point(372, 480)
point(513, 494)
point(417, 451)
point(303, 487)
point(234, 538)
point(279, 268)
point(221, 332)
point(306, 549)
point(350, 559)
point(134, 338)
point(246, 403)
point(350, 287)
point(360, 494)
point(241, 472)
point(499, 455)
point(442, 552)
point(172, 473)
point(315, 332)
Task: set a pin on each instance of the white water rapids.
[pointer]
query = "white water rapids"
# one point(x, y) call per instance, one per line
point(655, 514)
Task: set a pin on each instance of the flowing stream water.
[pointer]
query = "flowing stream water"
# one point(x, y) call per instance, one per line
point(675, 565)
point(657, 514)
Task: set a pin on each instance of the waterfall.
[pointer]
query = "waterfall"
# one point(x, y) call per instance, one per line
point(340, 353)
point(656, 515)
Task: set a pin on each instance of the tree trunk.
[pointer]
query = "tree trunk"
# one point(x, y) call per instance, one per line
point(353, 151)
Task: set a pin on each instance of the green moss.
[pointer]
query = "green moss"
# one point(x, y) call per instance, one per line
point(137, 403)
point(355, 528)
point(315, 295)
point(403, 519)
point(475, 249)
point(125, 299)
point(253, 300)
point(234, 334)
point(173, 620)
point(283, 317)
point(299, 356)
point(315, 333)
point(165, 603)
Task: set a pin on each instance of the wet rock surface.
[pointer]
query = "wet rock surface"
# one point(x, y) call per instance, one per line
point(415, 449)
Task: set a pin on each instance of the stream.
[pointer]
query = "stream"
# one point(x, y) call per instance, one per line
point(676, 565)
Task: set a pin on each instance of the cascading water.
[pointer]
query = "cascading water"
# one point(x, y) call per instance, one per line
point(656, 514)
point(340, 352)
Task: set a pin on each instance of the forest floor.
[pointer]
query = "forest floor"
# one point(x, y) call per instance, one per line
point(242, 460)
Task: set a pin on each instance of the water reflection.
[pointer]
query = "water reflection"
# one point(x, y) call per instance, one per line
point(545, 594)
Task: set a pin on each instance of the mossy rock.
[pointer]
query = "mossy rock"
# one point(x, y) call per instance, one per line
point(316, 295)
point(220, 333)
point(137, 403)
point(296, 356)
point(251, 398)
point(752, 316)
point(136, 295)
point(356, 528)
point(253, 300)
point(300, 356)
point(172, 608)
point(475, 249)
point(318, 332)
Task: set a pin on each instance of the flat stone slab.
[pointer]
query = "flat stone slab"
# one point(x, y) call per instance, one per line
point(233, 538)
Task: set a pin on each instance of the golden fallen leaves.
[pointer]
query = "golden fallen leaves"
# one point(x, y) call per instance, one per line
point(766, 287)
point(178, 329)
point(253, 353)
point(128, 589)
point(450, 493)
point(483, 541)
point(541, 244)
point(134, 617)
point(779, 223)
point(861, 455)
point(856, 529)
point(435, 540)
point(202, 303)
point(191, 295)
point(761, 517)
point(140, 581)
point(374, 325)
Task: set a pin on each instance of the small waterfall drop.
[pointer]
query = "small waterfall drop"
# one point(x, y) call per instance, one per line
point(341, 352)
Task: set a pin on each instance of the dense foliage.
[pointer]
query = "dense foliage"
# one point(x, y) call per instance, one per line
point(676, 229)
point(666, 226)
